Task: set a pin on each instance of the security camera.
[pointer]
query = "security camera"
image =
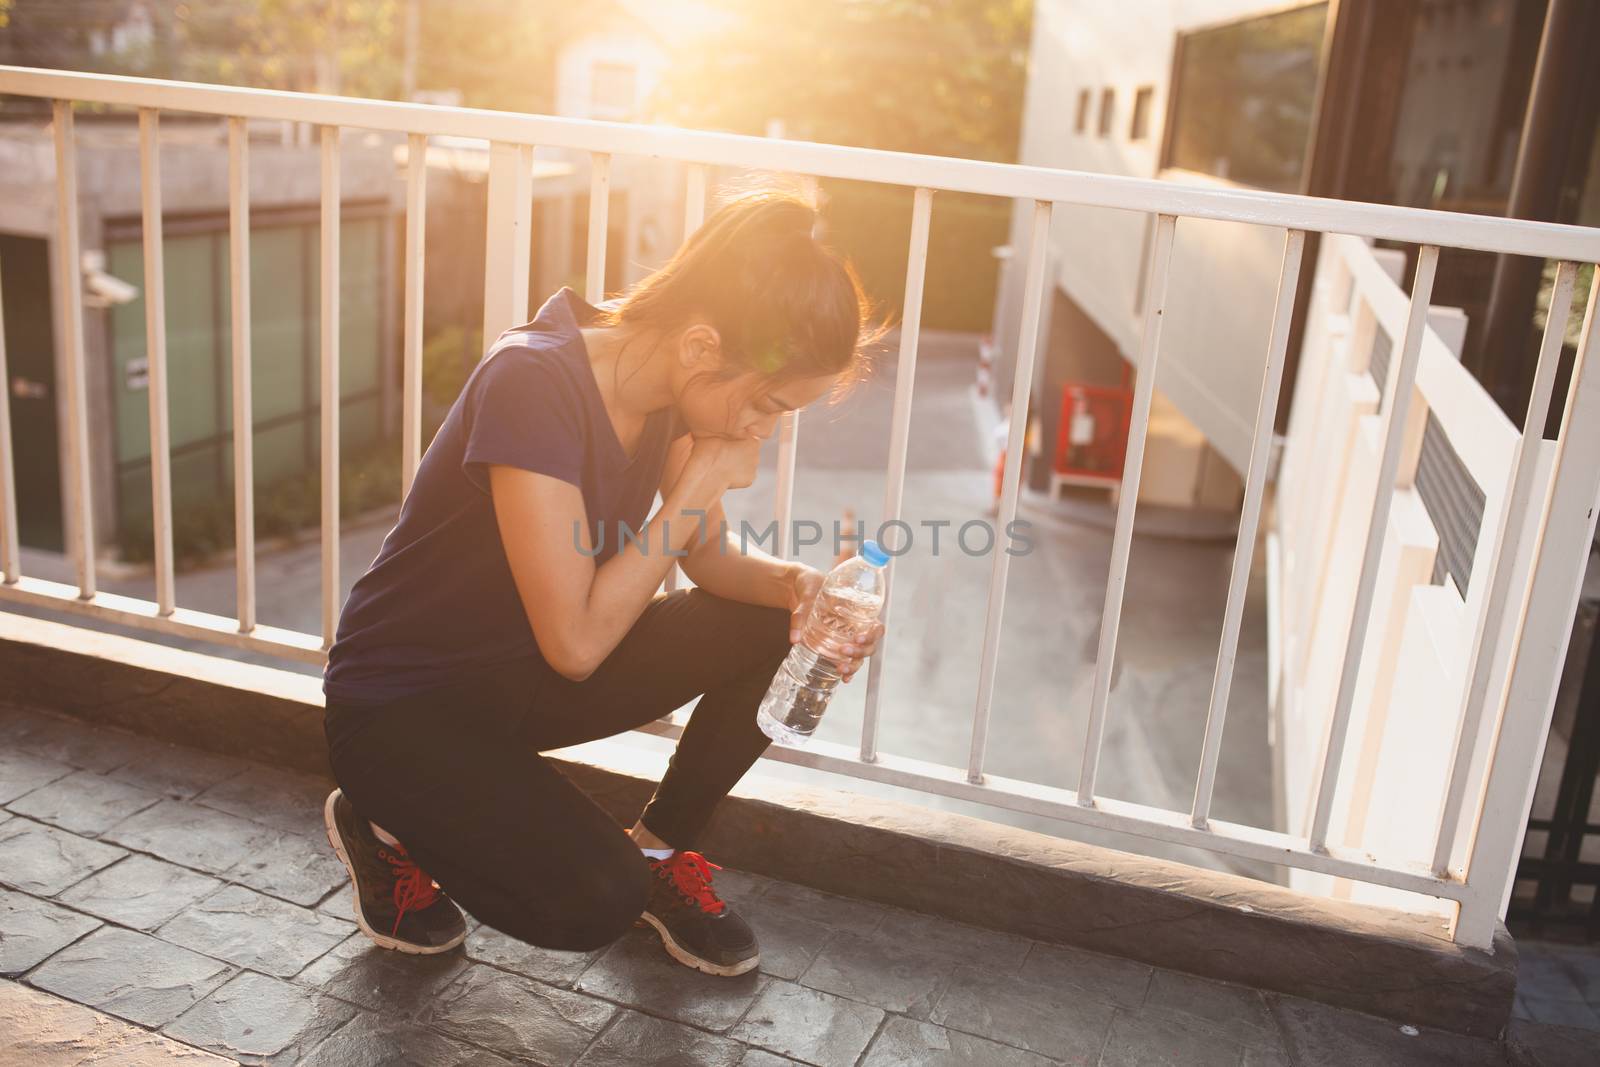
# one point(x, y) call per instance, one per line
point(104, 290)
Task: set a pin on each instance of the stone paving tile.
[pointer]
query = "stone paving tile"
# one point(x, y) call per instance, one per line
point(1120, 981)
point(907, 1043)
point(971, 944)
point(140, 891)
point(69, 741)
point(518, 1017)
point(84, 802)
point(382, 980)
point(895, 976)
point(1256, 1057)
point(1139, 1040)
point(548, 965)
point(760, 1057)
point(280, 799)
point(374, 1041)
point(788, 941)
point(257, 1019)
point(808, 1024)
point(191, 835)
point(298, 869)
point(1231, 1011)
point(1317, 1034)
point(33, 929)
point(45, 1031)
point(636, 971)
point(244, 927)
point(1573, 1013)
point(23, 772)
point(835, 912)
point(1541, 975)
point(636, 1039)
point(1014, 1011)
point(42, 860)
point(130, 974)
point(174, 771)
point(740, 887)
point(1551, 1046)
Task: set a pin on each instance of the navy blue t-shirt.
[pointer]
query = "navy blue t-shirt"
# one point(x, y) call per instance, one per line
point(439, 601)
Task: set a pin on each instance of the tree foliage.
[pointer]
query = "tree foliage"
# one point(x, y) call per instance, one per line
point(939, 76)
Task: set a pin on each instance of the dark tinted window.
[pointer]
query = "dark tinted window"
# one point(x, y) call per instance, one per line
point(1244, 96)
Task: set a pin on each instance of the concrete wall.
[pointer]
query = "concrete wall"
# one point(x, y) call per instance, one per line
point(1223, 276)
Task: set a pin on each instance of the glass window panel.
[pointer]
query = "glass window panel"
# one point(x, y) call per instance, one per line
point(278, 329)
point(1245, 93)
point(129, 370)
point(360, 305)
point(195, 278)
point(280, 453)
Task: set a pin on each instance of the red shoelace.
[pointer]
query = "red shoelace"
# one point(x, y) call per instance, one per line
point(691, 876)
point(413, 889)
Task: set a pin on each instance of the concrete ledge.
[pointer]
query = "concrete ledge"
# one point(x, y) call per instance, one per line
point(1166, 914)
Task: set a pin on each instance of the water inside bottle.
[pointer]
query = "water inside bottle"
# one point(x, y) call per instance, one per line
point(800, 690)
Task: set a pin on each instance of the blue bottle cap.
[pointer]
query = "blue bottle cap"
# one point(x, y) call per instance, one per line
point(874, 554)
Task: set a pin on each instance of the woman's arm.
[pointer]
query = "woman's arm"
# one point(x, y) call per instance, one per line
point(720, 563)
point(579, 612)
point(717, 562)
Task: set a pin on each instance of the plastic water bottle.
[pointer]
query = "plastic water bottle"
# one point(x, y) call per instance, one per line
point(845, 610)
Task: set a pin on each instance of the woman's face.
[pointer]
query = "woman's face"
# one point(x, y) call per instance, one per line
point(747, 405)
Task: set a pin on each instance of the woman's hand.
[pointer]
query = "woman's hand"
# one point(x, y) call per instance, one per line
point(805, 584)
point(730, 462)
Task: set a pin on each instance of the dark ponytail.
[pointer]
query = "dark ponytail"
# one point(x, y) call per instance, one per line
point(784, 305)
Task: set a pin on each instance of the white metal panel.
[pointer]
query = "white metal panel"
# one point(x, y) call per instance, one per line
point(155, 344)
point(905, 373)
point(69, 283)
point(244, 481)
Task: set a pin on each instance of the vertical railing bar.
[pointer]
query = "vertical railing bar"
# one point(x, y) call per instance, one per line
point(694, 214)
point(411, 352)
point(599, 211)
point(10, 551)
point(905, 373)
point(1475, 704)
point(1396, 405)
point(244, 536)
point(330, 383)
point(155, 344)
point(1249, 521)
point(783, 503)
point(1566, 532)
point(69, 276)
point(1127, 500)
point(1021, 389)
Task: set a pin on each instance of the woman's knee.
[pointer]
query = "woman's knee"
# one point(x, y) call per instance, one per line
point(593, 909)
point(753, 633)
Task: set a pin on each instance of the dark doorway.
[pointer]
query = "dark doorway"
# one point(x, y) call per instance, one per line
point(31, 389)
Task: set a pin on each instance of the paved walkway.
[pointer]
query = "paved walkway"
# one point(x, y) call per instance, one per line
point(193, 897)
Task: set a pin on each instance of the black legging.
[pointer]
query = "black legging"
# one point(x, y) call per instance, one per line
point(456, 774)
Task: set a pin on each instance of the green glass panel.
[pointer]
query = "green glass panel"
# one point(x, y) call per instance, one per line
point(129, 385)
point(278, 327)
point(360, 305)
point(280, 453)
point(196, 279)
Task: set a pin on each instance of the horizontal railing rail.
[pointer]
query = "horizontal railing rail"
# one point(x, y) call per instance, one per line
point(1567, 507)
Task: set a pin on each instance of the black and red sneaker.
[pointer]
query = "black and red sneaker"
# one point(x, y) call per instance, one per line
point(696, 926)
point(396, 903)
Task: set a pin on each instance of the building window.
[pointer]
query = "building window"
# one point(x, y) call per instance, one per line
point(1139, 128)
point(1243, 95)
point(1108, 100)
point(613, 88)
point(1085, 102)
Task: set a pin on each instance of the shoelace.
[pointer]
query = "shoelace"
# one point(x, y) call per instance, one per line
point(691, 876)
point(413, 889)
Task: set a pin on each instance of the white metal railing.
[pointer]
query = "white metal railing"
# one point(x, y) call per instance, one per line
point(1560, 536)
